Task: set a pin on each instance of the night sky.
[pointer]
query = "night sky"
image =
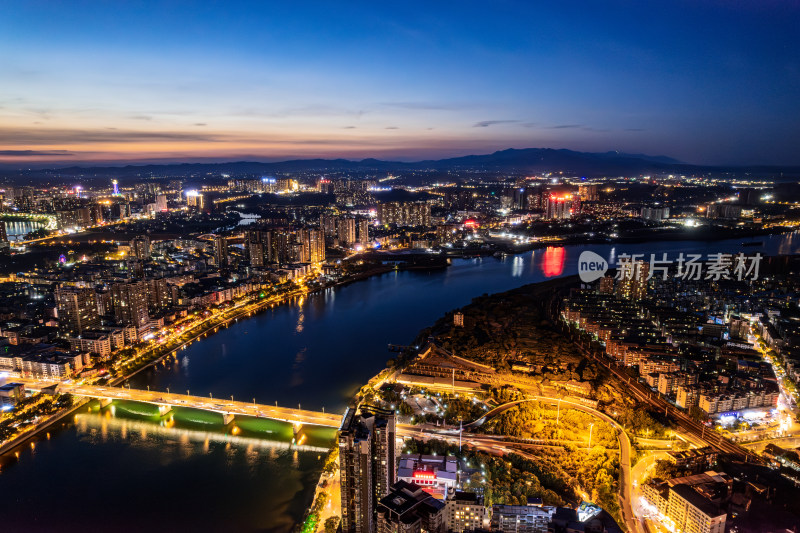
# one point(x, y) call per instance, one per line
point(708, 82)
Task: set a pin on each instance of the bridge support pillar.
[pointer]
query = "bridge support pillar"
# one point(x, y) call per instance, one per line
point(105, 402)
point(227, 418)
point(297, 431)
point(164, 409)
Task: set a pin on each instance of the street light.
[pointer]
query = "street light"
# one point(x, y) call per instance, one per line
point(558, 411)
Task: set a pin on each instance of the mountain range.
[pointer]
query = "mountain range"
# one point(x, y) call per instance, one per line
point(528, 160)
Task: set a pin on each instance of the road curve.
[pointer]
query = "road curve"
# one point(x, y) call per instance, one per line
point(625, 487)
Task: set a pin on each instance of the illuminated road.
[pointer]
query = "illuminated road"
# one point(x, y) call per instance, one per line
point(626, 490)
point(639, 473)
point(229, 407)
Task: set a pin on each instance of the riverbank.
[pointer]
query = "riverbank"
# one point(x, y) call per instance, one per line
point(9, 446)
point(19, 440)
point(699, 234)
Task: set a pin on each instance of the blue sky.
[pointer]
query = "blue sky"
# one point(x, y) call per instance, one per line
point(702, 81)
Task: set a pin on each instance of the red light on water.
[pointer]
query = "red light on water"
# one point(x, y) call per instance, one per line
point(553, 263)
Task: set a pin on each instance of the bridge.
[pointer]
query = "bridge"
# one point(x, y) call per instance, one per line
point(227, 408)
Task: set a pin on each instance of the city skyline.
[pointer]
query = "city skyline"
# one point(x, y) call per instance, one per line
point(705, 83)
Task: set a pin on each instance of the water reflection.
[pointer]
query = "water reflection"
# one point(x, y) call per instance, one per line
point(518, 264)
point(553, 263)
point(94, 426)
point(17, 229)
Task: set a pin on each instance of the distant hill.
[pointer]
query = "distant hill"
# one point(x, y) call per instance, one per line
point(528, 160)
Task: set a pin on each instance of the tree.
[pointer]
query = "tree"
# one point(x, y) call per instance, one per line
point(665, 469)
point(331, 524)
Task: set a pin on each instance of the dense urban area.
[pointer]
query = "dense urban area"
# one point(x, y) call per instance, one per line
point(661, 395)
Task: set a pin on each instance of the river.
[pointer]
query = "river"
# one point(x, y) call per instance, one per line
point(17, 229)
point(314, 352)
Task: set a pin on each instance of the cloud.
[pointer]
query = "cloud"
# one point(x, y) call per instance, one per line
point(634, 129)
point(200, 124)
point(391, 128)
point(425, 106)
point(23, 136)
point(566, 126)
point(314, 110)
point(348, 127)
point(35, 153)
point(487, 123)
point(141, 117)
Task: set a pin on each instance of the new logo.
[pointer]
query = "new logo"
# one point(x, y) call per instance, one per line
point(591, 266)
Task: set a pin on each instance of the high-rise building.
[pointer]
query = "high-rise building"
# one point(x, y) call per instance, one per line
point(313, 241)
point(367, 465)
point(220, 251)
point(130, 303)
point(161, 203)
point(655, 214)
point(724, 211)
point(74, 218)
point(347, 231)
point(685, 508)
point(407, 508)
point(327, 224)
point(363, 232)
point(97, 214)
point(254, 245)
point(588, 193)
point(465, 512)
point(120, 211)
point(159, 294)
point(279, 246)
point(195, 199)
point(562, 206)
point(404, 213)
point(606, 285)
point(3, 235)
point(749, 196)
point(633, 277)
point(140, 247)
point(77, 310)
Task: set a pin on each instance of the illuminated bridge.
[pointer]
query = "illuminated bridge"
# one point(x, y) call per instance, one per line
point(227, 408)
